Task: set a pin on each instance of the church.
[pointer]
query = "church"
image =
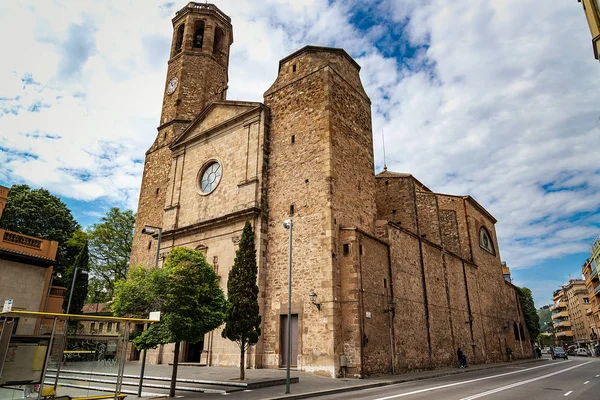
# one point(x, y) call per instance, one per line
point(388, 275)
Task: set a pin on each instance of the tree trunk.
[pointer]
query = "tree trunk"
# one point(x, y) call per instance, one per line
point(174, 374)
point(242, 363)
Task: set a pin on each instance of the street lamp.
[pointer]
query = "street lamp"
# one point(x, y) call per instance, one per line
point(288, 224)
point(313, 299)
point(149, 230)
point(82, 272)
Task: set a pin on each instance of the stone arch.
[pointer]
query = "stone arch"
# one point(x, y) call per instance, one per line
point(198, 34)
point(218, 41)
point(179, 38)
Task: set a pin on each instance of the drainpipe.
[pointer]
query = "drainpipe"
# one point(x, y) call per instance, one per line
point(362, 311)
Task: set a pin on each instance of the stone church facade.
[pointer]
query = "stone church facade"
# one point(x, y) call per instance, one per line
point(403, 276)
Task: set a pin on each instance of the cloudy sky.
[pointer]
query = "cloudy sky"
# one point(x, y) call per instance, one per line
point(498, 99)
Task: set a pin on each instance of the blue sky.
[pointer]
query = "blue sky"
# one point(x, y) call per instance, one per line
point(498, 100)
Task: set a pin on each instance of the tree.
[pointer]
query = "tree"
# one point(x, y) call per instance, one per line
point(186, 291)
point(242, 320)
point(532, 320)
point(39, 213)
point(545, 316)
point(110, 248)
point(81, 284)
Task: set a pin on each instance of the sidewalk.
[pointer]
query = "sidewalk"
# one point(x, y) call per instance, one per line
point(309, 385)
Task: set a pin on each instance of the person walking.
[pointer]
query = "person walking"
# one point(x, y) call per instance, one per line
point(509, 353)
point(462, 359)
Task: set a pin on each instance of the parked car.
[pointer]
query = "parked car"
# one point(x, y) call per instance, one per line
point(559, 352)
point(581, 352)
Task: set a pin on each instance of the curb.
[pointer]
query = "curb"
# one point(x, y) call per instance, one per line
point(393, 382)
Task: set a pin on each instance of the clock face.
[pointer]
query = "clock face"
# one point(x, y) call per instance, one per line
point(171, 86)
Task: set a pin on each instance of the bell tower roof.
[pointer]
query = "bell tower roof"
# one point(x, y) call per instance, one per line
point(201, 8)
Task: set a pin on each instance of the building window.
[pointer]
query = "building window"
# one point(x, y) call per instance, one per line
point(516, 330)
point(149, 244)
point(179, 40)
point(346, 249)
point(110, 326)
point(218, 43)
point(291, 210)
point(100, 327)
point(92, 327)
point(198, 34)
point(294, 68)
point(210, 177)
point(293, 139)
point(485, 240)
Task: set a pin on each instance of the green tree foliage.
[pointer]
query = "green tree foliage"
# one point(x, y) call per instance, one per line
point(81, 284)
point(39, 213)
point(532, 320)
point(545, 316)
point(110, 247)
point(242, 321)
point(186, 291)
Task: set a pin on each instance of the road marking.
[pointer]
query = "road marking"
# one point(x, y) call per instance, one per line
point(463, 382)
point(513, 385)
point(586, 382)
point(568, 393)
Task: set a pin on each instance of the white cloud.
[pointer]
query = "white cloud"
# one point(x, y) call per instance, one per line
point(497, 100)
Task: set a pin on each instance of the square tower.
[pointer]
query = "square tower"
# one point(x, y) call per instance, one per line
point(321, 176)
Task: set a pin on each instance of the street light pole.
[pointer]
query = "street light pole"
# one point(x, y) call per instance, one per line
point(148, 230)
point(288, 224)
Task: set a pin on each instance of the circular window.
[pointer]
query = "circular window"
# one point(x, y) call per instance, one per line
point(210, 177)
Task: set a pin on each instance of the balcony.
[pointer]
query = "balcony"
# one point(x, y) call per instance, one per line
point(564, 333)
point(589, 311)
point(562, 323)
point(597, 290)
point(27, 245)
point(561, 314)
point(560, 304)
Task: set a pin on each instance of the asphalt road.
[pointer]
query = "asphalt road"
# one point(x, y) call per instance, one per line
point(576, 378)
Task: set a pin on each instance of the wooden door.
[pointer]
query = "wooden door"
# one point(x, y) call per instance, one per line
point(294, 340)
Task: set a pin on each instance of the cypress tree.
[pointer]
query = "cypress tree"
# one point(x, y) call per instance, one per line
point(242, 322)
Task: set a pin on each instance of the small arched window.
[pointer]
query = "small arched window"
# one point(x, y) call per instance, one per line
point(198, 34)
point(218, 43)
point(179, 40)
point(485, 240)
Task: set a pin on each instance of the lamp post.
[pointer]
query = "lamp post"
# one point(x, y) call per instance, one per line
point(288, 224)
point(149, 230)
point(82, 272)
point(63, 343)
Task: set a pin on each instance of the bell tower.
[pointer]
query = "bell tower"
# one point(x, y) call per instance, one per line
point(197, 74)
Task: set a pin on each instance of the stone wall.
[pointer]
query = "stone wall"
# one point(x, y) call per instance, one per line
point(27, 286)
point(202, 78)
point(299, 176)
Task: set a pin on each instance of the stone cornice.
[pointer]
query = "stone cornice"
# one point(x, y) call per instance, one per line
point(211, 223)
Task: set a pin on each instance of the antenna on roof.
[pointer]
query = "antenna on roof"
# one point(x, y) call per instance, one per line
point(384, 161)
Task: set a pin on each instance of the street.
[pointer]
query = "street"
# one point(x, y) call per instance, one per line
point(576, 378)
